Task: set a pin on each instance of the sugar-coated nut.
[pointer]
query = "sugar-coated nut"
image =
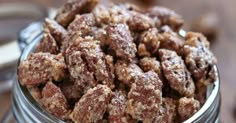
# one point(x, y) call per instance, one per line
point(40, 67)
point(54, 101)
point(83, 23)
point(88, 64)
point(167, 111)
point(35, 92)
point(201, 93)
point(116, 108)
point(139, 22)
point(150, 63)
point(48, 44)
point(113, 14)
point(148, 42)
point(100, 64)
point(199, 58)
point(187, 107)
point(92, 105)
point(69, 89)
point(121, 41)
point(170, 40)
point(126, 72)
point(176, 72)
point(100, 35)
point(56, 30)
point(67, 13)
point(144, 97)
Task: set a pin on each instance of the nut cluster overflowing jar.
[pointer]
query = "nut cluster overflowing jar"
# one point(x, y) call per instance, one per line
point(98, 63)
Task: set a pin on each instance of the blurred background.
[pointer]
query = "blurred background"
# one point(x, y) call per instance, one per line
point(215, 18)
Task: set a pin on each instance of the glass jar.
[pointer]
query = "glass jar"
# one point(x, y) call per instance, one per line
point(26, 109)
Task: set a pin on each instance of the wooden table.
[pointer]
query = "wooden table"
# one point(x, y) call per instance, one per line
point(224, 48)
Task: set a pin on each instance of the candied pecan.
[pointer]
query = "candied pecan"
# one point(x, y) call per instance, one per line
point(67, 13)
point(100, 34)
point(144, 97)
point(35, 92)
point(57, 31)
point(187, 107)
point(121, 41)
point(139, 22)
point(126, 72)
point(176, 72)
point(148, 42)
point(69, 39)
point(69, 89)
point(170, 40)
point(47, 44)
point(88, 64)
point(110, 15)
point(195, 39)
point(150, 63)
point(41, 67)
point(166, 16)
point(200, 93)
point(167, 111)
point(83, 23)
point(54, 101)
point(199, 58)
point(92, 105)
point(116, 108)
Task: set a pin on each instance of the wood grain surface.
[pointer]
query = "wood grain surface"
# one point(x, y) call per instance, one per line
point(224, 48)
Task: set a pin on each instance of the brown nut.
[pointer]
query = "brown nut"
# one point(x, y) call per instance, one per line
point(121, 41)
point(176, 72)
point(199, 58)
point(40, 67)
point(148, 42)
point(92, 106)
point(54, 101)
point(48, 44)
point(67, 13)
point(144, 97)
point(187, 107)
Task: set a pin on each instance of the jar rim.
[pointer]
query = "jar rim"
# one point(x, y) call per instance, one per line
point(214, 88)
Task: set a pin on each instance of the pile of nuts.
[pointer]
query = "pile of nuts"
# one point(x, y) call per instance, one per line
point(118, 64)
